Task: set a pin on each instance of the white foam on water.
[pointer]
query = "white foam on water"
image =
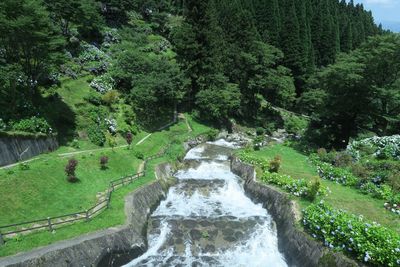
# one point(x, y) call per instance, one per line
point(224, 143)
point(207, 171)
point(195, 153)
point(228, 200)
point(258, 251)
point(155, 243)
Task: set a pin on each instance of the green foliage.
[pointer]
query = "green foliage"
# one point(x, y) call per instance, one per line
point(96, 135)
point(3, 125)
point(314, 188)
point(295, 124)
point(28, 38)
point(110, 97)
point(111, 141)
point(386, 147)
point(296, 187)
point(258, 161)
point(212, 134)
point(218, 105)
point(358, 98)
point(260, 131)
point(328, 172)
point(138, 154)
point(24, 166)
point(258, 142)
point(32, 125)
point(368, 242)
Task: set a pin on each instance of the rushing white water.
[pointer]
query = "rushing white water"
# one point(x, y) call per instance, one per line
point(207, 220)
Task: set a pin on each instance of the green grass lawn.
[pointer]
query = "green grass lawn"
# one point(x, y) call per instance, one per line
point(43, 191)
point(297, 165)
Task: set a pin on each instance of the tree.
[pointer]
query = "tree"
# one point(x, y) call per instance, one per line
point(28, 38)
point(218, 104)
point(362, 92)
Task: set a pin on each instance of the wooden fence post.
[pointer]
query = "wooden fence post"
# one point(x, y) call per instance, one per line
point(49, 222)
point(1, 239)
point(109, 199)
point(87, 215)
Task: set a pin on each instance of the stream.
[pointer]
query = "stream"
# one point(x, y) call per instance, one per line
point(207, 220)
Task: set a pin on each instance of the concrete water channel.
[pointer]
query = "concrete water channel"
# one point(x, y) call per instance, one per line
point(207, 220)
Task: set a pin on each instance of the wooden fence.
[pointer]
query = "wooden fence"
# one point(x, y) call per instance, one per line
point(52, 223)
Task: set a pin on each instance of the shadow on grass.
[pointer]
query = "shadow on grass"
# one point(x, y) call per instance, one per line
point(59, 115)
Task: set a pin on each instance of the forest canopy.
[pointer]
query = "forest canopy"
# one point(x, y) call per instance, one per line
point(223, 59)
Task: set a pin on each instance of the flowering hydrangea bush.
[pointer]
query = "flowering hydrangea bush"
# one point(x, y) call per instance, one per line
point(368, 242)
point(381, 147)
point(92, 53)
point(260, 162)
point(395, 208)
point(380, 192)
point(341, 176)
point(297, 187)
point(111, 125)
point(103, 83)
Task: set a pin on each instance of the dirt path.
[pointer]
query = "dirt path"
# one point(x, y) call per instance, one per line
point(182, 116)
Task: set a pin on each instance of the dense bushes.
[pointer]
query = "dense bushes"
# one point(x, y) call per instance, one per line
point(338, 175)
point(372, 177)
point(32, 125)
point(275, 164)
point(96, 135)
point(368, 242)
point(297, 187)
point(386, 147)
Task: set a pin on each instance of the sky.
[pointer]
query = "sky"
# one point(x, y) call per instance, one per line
point(386, 12)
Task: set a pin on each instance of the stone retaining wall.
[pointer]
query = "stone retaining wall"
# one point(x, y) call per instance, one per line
point(297, 246)
point(112, 247)
point(11, 148)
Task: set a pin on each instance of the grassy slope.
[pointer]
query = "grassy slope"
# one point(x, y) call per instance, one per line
point(112, 217)
point(43, 190)
point(297, 165)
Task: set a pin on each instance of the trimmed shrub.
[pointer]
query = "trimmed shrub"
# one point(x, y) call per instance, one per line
point(212, 134)
point(70, 169)
point(313, 188)
point(24, 166)
point(138, 154)
point(260, 131)
point(275, 164)
point(103, 162)
point(129, 139)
